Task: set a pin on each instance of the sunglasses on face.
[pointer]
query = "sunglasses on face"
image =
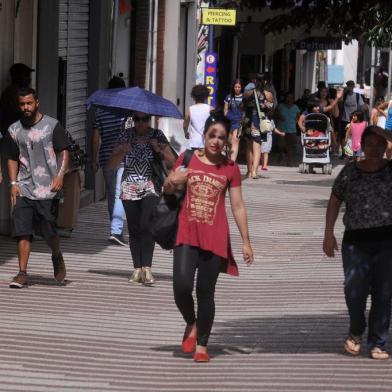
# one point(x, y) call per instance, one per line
point(143, 119)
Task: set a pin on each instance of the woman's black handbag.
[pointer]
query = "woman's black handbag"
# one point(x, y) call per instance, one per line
point(164, 217)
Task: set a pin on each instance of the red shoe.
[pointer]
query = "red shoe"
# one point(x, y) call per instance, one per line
point(188, 345)
point(264, 168)
point(201, 357)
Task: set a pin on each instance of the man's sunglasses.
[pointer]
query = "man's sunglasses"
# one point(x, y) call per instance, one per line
point(144, 118)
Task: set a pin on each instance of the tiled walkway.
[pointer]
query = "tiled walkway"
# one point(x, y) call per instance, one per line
point(279, 326)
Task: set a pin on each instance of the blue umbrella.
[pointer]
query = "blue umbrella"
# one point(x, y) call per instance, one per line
point(124, 100)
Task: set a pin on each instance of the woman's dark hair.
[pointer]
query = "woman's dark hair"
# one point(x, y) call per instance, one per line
point(313, 103)
point(236, 81)
point(318, 95)
point(359, 114)
point(260, 82)
point(373, 130)
point(200, 93)
point(217, 118)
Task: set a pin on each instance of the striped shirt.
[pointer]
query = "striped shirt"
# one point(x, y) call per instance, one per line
point(109, 126)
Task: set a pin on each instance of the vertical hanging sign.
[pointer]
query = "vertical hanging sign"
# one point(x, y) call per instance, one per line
point(210, 76)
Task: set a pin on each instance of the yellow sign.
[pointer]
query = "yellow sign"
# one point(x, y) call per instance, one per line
point(217, 16)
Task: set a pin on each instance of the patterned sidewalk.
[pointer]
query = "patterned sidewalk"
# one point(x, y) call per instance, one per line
point(278, 327)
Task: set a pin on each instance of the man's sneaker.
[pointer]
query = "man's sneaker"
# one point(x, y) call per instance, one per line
point(19, 281)
point(117, 239)
point(59, 267)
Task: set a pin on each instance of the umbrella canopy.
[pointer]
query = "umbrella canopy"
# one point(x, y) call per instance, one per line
point(123, 100)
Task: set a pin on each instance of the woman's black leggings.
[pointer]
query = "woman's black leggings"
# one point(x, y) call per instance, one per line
point(141, 243)
point(186, 260)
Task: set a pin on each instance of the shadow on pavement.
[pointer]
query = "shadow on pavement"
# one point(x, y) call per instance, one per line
point(306, 334)
point(46, 281)
point(126, 274)
point(324, 183)
point(320, 203)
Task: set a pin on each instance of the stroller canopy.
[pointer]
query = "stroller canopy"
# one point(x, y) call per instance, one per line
point(317, 121)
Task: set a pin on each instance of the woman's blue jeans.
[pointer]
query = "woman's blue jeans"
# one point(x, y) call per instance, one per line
point(368, 270)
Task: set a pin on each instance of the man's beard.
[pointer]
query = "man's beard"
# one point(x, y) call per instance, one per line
point(28, 121)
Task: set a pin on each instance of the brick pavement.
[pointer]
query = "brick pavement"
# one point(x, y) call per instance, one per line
point(279, 326)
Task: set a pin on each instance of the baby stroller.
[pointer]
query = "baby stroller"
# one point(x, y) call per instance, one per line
point(316, 142)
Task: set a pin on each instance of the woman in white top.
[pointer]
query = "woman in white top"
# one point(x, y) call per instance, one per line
point(196, 116)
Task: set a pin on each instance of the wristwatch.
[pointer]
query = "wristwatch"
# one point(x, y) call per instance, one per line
point(13, 183)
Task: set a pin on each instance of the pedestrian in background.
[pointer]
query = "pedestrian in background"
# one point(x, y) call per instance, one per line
point(365, 187)
point(138, 148)
point(232, 110)
point(320, 85)
point(196, 116)
point(9, 106)
point(203, 240)
point(36, 148)
point(269, 86)
point(354, 132)
point(106, 130)
point(350, 102)
point(378, 115)
point(254, 137)
point(386, 107)
point(334, 116)
point(266, 147)
point(303, 101)
point(380, 83)
point(287, 114)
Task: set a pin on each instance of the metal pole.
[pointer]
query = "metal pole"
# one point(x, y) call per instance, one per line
point(372, 66)
point(389, 73)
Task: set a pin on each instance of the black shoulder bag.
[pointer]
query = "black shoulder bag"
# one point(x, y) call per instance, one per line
point(164, 217)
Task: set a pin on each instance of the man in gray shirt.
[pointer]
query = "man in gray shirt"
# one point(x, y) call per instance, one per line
point(36, 149)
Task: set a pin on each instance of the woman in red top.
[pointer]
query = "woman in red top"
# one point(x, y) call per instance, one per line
point(203, 240)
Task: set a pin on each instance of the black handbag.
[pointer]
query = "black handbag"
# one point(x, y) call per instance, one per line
point(164, 217)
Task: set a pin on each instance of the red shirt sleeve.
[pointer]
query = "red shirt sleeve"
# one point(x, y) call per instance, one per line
point(236, 177)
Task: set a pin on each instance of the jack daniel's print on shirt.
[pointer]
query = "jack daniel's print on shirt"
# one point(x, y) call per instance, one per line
point(203, 195)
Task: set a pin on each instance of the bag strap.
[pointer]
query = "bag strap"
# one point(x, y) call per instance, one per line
point(188, 154)
point(261, 116)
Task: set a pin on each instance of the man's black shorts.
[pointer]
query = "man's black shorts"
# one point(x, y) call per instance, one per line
point(35, 217)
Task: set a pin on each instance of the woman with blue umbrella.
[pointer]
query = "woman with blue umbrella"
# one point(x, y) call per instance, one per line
point(141, 147)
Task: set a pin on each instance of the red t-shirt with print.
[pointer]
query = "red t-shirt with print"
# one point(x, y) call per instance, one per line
point(202, 218)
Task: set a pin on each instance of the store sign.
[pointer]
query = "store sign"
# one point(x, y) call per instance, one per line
point(217, 16)
point(319, 43)
point(210, 76)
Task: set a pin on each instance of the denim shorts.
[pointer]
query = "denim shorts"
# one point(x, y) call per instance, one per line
point(358, 154)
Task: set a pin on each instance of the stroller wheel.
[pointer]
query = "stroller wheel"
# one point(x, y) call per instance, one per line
point(301, 167)
point(325, 169)
point(329, 168)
